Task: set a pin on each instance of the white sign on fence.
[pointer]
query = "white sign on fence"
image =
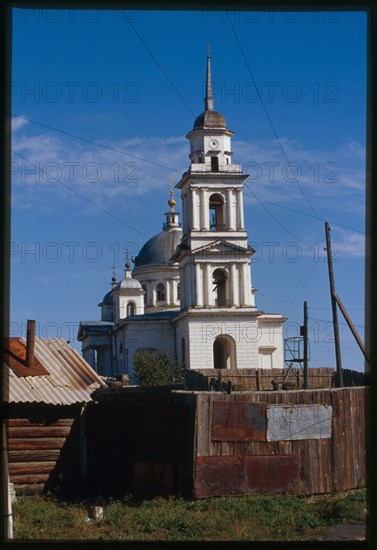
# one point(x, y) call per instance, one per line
point(290, 422)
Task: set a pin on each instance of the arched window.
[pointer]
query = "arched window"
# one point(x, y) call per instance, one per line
point(160, 292)
point(130, 309)
point(144, 287)
point(224, 352)
point(216, 213)
point(219, 287)
point(178, 291)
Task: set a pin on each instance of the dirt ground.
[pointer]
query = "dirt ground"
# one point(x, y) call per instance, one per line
point(342, 532)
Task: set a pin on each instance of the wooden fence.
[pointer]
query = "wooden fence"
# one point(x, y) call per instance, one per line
point(259, 379)
point(201, 444)
point(301, 442)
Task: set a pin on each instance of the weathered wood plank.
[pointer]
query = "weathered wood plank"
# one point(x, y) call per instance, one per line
point(26, 423)
point(335, 440)
point(34, 456)
point(345, 441)
point(202, 428)
point(38, 431)
point(39, 443)
point(29, 478)
point(28, 468)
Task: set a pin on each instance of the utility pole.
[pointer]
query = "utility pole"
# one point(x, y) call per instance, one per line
point(338, 357)
point(351, 327)
point(305, 335)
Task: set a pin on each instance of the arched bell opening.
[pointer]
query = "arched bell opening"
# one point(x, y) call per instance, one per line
point(131, 309)
point(219, 278)
point(216, 212)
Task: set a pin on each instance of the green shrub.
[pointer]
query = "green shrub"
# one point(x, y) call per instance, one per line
point(157, 369)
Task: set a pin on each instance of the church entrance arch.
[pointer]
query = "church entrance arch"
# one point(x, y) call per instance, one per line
point(224, 352)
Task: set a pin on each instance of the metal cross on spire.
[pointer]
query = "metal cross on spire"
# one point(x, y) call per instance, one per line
point(171, 201)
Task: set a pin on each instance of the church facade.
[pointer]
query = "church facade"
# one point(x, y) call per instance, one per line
point(190, 291)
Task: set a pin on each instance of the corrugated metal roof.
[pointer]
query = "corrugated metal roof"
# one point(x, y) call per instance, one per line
point(70, 380)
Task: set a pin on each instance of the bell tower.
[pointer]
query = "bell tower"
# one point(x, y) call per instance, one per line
point(214, 255)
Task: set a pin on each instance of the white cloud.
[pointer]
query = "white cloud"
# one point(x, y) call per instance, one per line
point(18, 123)
point(141, 165)
point(350, 244)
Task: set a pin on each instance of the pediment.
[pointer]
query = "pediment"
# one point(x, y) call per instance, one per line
point(217, 247)
point(223, 247)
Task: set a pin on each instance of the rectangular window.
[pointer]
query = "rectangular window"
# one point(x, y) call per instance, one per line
point(214, 164)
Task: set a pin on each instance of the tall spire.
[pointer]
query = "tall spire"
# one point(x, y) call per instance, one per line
point(209, 104)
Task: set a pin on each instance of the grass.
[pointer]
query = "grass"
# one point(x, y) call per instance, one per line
point(248, 518)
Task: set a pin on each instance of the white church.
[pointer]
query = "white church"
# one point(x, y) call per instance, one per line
point(190, 291)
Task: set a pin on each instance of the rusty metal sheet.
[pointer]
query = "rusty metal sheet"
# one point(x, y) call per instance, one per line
point(15, 353)
point(226, 475)
point(292, 422)
point(272, 474)
point(66, 378)
point(219, 475)
point(239, 421)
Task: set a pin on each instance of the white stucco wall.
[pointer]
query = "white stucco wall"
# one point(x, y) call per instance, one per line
point(136, 335)
point(248, 333)
point(252, 338)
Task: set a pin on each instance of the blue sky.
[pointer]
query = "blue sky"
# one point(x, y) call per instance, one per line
point(102, 102)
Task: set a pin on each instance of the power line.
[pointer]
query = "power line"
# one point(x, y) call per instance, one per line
point(161, 69)
point(300, 285)
point(349, 308)
point(268, 116)
point(274, 217)
point(278, 299)
point(84, 197)
point(95, 143)
point(330, 322)
point(311, 216)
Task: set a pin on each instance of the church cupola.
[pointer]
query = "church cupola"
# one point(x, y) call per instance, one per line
point(154, 267)
point(128, 296)
point(171, 216)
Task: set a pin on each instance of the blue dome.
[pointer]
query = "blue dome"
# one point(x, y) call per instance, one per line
point(108, 298)
point(160, 248)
